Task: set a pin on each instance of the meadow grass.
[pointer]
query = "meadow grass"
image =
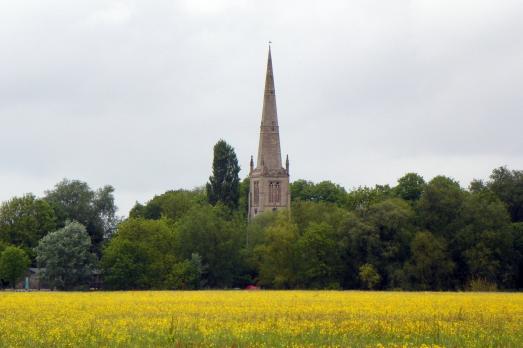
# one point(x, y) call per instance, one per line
point(260, 319)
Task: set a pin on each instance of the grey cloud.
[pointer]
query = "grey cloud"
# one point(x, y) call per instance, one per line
point(135, 93)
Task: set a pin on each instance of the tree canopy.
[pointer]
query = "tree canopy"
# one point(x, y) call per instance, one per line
point(74, 200)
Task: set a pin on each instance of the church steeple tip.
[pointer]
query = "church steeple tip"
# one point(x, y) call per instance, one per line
point(269, 146)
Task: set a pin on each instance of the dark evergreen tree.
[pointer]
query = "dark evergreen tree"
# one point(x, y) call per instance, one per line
point(224, 184)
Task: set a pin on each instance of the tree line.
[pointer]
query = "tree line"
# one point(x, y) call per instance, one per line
point(416, 235)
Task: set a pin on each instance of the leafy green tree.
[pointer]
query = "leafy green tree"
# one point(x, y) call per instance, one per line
point(392, 221)
point(320, 263)
point(73, 200)
point(430, 267)
point(517, 235)
point(216, 237)
point(278, 256)
point(369, 276)
point(244, 196)
point(483, 247)
point(171, 205)
point(224, 184)
point(65, 257)
point(305, 213)
point(379, 235)
point(410, 187)
point(14, 263)
point(140, 255)
point(508, 186)
point(186, 275)
point(125, 265)
point(3, 245)
point(325, 191)
point(362, 198)
point(24, 220)
point(440, 205)
point(477, 186)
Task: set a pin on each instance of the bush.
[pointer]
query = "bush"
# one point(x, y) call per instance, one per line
point(369, 276)
point(481, 285)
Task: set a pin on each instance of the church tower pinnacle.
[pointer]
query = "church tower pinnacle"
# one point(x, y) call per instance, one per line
point(269, 181)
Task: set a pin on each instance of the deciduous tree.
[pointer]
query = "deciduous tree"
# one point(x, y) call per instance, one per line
point(73, 200)
point(24, 220)
point(14, 263)
point(65, 257)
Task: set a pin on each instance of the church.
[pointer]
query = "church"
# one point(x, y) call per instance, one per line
point(269, 180)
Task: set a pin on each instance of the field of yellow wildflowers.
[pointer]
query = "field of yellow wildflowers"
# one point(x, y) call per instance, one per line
point(261, 319)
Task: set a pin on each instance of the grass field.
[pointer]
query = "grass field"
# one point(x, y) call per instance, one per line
point(261, 319)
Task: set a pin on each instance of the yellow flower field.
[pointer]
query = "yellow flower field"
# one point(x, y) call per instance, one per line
point(261, 319)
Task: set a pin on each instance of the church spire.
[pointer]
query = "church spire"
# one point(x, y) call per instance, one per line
point(269, 181)
point(269, 150)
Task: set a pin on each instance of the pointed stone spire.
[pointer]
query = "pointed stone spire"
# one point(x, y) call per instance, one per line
point(269, 150)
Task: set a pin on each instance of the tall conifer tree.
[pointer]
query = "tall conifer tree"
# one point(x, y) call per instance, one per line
point(224, 184)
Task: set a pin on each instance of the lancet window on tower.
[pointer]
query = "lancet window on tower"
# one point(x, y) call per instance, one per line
point(256, 193)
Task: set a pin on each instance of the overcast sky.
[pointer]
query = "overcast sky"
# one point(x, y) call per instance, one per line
point(136, 93)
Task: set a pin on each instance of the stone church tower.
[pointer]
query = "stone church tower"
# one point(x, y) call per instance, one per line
point(269, 181)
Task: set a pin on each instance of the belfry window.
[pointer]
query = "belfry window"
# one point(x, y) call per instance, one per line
point(274, 192)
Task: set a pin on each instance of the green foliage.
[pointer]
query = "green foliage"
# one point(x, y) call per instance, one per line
point(3, 245)
point(73, 200)
point(410, 187)
point(440, 206)
point(139, 256)
point(416, 235)
point(171, 205)
point(216, 237)
point(244, 197)
point(14, 263)
point(65, 257)
point(430, 267)
point(485, 241)
point(305, 213)
point(481, 285)
point(325, 191)
point(517, 237)
point(224, 183)
point(186, 275)
point(392, 223)
point(24, 220)
point(362, 198)
point(319, 263)
point(278, 255)
point(368, 275)
point(508, 186)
